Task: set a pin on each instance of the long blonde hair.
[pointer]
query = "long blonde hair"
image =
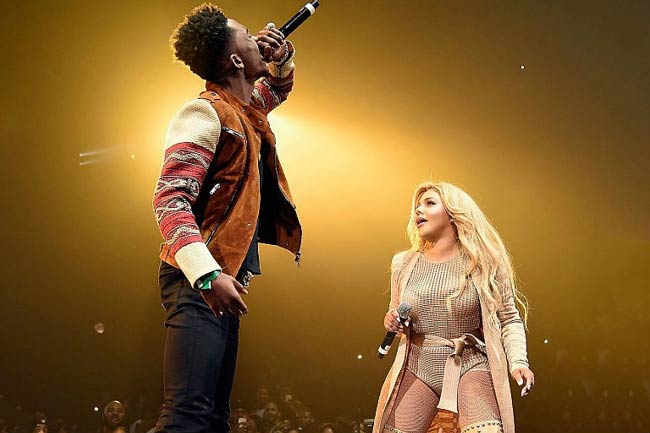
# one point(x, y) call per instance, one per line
point(489, 263)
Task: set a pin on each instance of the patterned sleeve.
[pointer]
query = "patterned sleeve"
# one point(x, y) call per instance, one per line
point(272, 91)
point(191, 141)
point(513, 334)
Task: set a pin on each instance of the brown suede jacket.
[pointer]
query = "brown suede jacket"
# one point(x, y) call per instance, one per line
point(208, 199)
point(230, 213)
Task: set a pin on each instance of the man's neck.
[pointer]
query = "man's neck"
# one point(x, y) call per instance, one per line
point(239, 88)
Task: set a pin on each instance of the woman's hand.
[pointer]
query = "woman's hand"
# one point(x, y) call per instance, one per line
point(391, 323)
point(524, 377)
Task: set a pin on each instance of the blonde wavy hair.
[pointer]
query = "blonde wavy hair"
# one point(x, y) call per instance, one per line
point(488, 260)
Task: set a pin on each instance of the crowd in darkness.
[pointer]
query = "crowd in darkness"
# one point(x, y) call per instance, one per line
point(583, 406)
point(582, 388)
point(276, 410)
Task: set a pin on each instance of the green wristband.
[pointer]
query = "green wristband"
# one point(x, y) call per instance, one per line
point(204, 283)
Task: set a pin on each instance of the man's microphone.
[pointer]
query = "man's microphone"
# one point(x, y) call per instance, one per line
point(299, 18)
point(403, 311)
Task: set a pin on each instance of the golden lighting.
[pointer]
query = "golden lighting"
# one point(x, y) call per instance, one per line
point(540, 113)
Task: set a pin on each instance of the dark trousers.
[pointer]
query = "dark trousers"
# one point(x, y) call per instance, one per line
point(199, 362)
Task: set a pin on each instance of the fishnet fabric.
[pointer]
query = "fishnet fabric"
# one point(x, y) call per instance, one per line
point(415, 406)
point(427, 290)
point(477, 403)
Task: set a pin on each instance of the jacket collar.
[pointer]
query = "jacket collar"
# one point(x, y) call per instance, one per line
point(257, 119)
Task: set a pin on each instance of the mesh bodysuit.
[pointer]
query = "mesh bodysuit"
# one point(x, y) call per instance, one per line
point(427, 290)
point(416, 404)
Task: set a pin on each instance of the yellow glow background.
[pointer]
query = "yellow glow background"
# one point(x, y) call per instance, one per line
point(387, 94)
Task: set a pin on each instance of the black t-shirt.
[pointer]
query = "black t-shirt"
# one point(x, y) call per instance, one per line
point(252, 259)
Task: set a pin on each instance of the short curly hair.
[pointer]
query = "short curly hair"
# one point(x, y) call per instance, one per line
point(200, 41)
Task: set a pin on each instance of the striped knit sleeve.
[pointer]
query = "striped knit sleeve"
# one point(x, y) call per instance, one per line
point(272, 91)
point(513, 334)
point(189, 149)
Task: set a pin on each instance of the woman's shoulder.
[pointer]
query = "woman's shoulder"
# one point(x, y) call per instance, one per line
point(400, 258)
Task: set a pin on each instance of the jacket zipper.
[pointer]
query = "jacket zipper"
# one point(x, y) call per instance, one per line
point(237, 188)
point(233, 132)
point(277, 178)
point(215, 188)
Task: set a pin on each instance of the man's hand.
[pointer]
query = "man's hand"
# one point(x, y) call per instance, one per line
point(271, 44)
point(524, 377)
point(391, 323)
point(223, 296)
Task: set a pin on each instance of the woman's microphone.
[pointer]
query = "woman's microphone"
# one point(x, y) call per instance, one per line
point(403, 311)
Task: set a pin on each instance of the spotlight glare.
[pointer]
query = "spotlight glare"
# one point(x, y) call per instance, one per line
point(359, 356)
point(99, 328)
point(96, 409)
point(546, 341)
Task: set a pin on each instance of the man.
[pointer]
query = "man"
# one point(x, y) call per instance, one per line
point(221, 190)
point(306, 421)
point(112, 418)
point(262, 397)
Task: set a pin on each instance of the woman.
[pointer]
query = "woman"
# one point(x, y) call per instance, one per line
point(464, 329)
point(273, 419)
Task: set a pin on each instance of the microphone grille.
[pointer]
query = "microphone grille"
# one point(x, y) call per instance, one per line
point(403, 310)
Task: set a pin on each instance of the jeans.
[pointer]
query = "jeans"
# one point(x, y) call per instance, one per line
point(199, 360)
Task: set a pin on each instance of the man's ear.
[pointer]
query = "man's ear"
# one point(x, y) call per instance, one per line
point(237, 61)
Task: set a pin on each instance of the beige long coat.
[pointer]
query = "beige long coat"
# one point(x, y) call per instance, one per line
point(401, 269)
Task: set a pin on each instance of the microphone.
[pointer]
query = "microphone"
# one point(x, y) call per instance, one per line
point(403, 311)
point(299, 18)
